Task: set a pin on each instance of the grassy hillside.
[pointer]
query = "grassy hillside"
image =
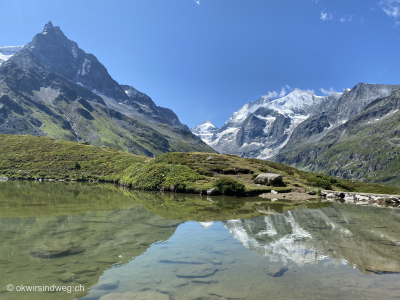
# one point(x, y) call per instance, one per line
point(30, 157)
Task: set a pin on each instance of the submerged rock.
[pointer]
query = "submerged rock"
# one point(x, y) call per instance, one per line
point(230, 291)
point(86, 270)
point(110, 284)
point(95, 294)
point(275, 271)
point(68, 277)
point(136, 296)
point(179, 282)
point(45, 252)
point(200, 271)
point(106, 260)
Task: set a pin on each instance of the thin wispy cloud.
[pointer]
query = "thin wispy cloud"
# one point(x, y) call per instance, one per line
point(271, 95)
point(391, 7)
point(347, 18)
point(326, 16)
point(282, 93)
point(197, 2)
point(328, 92)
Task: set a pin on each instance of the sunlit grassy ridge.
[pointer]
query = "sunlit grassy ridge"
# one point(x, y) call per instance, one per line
point(30, 157)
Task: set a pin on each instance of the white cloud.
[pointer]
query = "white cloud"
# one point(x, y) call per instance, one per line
point(326, 16)
point(328, 92)
point(308, 91)
point(391, 7)
point(282, 93)
point(289, 88)
point(197, 1)
point(347, 18)
point(271, 95)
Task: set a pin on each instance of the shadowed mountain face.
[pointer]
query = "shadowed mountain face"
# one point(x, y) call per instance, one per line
point(364, 237)
point(52, 87)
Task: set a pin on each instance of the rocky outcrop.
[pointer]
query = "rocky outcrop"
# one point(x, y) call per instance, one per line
point(269, 178)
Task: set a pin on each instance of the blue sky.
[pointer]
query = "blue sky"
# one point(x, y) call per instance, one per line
point(205, 59)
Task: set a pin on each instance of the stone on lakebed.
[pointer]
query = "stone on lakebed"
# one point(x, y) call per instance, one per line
point(136, 296)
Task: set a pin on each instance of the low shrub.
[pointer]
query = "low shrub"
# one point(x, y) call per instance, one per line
point(229, 186)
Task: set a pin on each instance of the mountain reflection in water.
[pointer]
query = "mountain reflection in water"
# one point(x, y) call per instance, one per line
point(166, 246)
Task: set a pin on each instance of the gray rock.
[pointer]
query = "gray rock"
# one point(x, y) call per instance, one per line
point(211, 191)
point(269, 178)
point(4, 178)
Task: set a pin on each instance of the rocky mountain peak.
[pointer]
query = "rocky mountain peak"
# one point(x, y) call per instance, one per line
point(48, 26)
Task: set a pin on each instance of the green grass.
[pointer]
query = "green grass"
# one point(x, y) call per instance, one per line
point(31, 157)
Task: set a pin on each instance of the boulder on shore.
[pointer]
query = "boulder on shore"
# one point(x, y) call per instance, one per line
point(266, 178)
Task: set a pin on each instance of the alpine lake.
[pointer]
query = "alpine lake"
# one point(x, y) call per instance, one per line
point(123, 244)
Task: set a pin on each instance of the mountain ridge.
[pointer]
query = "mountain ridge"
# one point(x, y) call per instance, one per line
point(52, 87)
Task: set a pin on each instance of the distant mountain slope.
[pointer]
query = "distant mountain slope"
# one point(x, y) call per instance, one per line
point(262, 127)
point(364, 148)
point(205, 131)
point(7, 52)
point(52, 87)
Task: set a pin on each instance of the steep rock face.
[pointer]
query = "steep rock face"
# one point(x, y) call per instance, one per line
point(363, 148)
point(52, 87)
point(261, 128)
point(252, 129)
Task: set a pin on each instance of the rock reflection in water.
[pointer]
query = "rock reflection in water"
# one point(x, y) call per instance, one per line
point(367, 238)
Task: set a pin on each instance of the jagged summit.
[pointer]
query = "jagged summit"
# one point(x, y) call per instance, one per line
point(48, 25)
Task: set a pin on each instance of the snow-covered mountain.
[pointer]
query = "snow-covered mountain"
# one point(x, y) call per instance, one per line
point(262, 127)
point(205, 131)
point(7, 52)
